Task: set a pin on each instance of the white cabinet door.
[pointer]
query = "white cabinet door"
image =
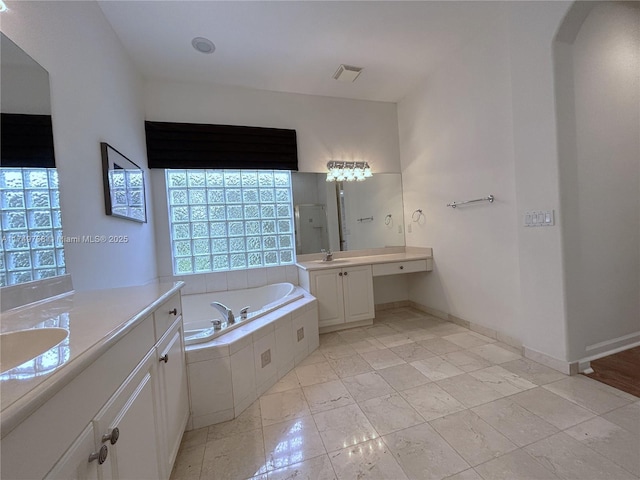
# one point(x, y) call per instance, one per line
point(136, 454)
point(326, 286)
point(358, 293)
point(173, 391)
point(76, 463)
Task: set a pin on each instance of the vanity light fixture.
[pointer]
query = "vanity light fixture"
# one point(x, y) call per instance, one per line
point(203, 45)
point(348, 171)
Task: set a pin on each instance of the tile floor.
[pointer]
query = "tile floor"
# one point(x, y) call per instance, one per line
point(416, 397)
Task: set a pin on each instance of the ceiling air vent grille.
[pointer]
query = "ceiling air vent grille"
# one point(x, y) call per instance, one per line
point(347, 73)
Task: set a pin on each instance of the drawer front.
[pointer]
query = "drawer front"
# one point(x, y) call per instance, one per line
point(166, 314)
point(399, 267)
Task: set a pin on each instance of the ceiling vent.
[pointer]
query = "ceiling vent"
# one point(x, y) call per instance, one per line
point(347, 73)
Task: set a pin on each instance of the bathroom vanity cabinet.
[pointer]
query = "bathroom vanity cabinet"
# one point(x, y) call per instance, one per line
point(344, 286)
point(121, 417)
point(345, 295)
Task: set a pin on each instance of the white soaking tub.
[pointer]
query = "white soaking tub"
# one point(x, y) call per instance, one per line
point(199, 314)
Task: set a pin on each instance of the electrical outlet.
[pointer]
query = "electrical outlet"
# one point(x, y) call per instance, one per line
point(300, 333)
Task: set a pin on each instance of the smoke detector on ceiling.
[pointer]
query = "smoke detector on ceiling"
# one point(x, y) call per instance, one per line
point(203, 45)
point(347, 73)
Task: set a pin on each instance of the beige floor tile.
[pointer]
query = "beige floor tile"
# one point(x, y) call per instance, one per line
point(350, 366)
point(421, 334)
point(283, 406)
point(431, 401)
point(292, 442)
point(468, 339)
point(390, 413)
point(337, 351)
point(288, 382)
point(552, 408)
point(495, 353)
point(367, 345)
point(318, 468)
point(329, 339)
point(533, 371)
point(382, 359)
point(469, 391)
point(250, 419)
point(423, 453)
point(436, 368)
point(325, 396)
point(188, 465)
point(380, 330)
point(515, 422)
point(394, 340)
point(587, 393)
point(315, 357)
point(501, 380)
point(237, 456)
point(446, 328)
point(316, 373)
point(411, 352)
point(466, 360)
point(473, 438)
point(407, 313)
point(627, 417)
point(371, 460)
point(439, 346)
point(367, 385)
point(193, 438)
point(611, 441)
point(514, 465)
point(569, 459)
point(343, 427)
point(353, 335)
point(470, 474)
point(404, 376)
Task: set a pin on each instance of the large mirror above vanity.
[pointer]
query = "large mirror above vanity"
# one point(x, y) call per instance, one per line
point(347, 215)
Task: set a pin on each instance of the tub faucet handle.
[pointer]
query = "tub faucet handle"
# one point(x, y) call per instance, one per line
point(226, 311)
point(244, 312)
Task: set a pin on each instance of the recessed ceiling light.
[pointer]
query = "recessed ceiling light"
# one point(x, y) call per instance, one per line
point(347, 73)
point(203, 45)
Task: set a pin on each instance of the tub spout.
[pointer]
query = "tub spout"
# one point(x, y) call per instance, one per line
point(226, 311)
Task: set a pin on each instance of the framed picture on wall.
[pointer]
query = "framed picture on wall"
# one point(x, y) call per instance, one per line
point(124, 190)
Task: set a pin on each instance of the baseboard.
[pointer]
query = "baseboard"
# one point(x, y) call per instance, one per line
point(380, 307)
point(486, 331)
point(568, 368)
point(345, 326)
point(586, 361)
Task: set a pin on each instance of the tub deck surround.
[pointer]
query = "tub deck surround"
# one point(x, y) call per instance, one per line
point(366, 257)
point(228, 373)
point(96, 320)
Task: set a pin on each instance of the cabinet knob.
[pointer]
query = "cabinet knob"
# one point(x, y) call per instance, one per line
point(340, 274)
point(346, 273)
point(112, 436)
point(164, 358)
point(100, 455)
point(401, 267)
point(174, 311)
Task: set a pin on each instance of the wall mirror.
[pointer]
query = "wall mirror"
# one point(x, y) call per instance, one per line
point(124, 193)
point(30, 217)
point(347, 215)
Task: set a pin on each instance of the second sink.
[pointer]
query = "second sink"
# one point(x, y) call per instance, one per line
point(23, 345)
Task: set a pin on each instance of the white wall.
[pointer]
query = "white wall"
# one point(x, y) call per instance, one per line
point(96, 95)
point(327, 128)
point(598, 85)
point(456, 143)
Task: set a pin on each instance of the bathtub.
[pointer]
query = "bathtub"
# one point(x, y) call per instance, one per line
point(198, 312)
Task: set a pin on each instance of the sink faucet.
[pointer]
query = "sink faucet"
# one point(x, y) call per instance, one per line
point(226, 311)
point(328, 255)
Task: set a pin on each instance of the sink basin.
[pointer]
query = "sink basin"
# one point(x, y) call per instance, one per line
point(332, 262)
point(23, 345)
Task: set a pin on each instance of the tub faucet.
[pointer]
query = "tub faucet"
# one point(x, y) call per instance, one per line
point(226, 311)
point(328, 255)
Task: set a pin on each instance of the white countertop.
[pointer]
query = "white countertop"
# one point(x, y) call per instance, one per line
point(95, 320)
point(340, 262)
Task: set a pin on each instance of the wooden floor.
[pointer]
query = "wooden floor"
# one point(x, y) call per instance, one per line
point(621, 370)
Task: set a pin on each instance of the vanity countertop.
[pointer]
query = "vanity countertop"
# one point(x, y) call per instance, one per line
point(96, 320)
point(346, 261)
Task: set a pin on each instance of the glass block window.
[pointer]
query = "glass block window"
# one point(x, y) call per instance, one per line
point(229, 219)
point(31, 245)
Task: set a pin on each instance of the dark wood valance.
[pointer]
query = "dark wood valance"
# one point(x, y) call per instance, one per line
point(195, 145)
point(26, 141)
